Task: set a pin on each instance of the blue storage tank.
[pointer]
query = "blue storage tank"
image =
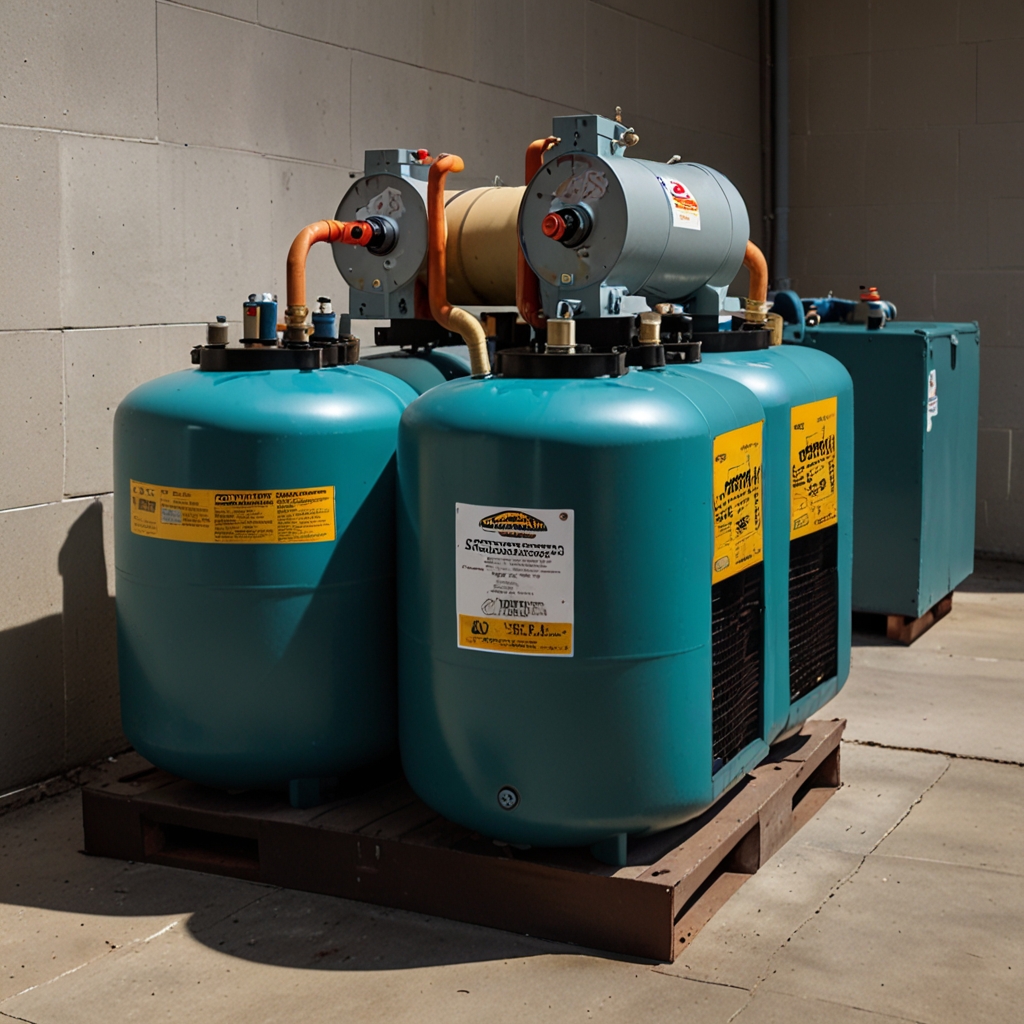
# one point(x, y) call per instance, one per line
point(254, 540)
point(557, 548)
point(807, 399)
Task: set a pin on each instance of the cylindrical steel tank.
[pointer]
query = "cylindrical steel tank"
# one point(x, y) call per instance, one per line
point(254, 540)
point(482, 245)
point(589, 223)
point(807, 399)
point(557, 540)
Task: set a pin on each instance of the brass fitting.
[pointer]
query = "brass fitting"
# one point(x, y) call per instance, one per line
point(561, 336)
point(650, 328)
point(755, 311)
point(296, 330)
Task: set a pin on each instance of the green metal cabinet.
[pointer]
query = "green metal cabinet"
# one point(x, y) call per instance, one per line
point(915, 389)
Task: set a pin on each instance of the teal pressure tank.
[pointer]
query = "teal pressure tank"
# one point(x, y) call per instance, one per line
point(254, 547)
point(807, 399)
point(561, 525)
point(422, 369)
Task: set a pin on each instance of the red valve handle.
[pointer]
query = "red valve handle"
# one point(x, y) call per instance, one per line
point(553, 226)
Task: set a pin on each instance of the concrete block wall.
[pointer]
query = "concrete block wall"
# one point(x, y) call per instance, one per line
point(908, 173)
point(157, 158)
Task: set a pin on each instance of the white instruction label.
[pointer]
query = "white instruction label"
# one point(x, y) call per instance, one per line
point(933, 398)
point(587, 185)
point(385, 204)
point(685, 211)
point(514, 579)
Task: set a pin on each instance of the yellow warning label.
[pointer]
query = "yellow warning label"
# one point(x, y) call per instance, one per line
point(233, 517)
point(812, 502)
point(513, 636)
point(739, 519)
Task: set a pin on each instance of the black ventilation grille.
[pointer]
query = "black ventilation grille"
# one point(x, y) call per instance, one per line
point(813, 611)
point(737, 644)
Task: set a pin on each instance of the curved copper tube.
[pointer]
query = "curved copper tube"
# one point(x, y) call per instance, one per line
point(754, 261)
point(448, 316)
point(527, 285)
point(353, 232)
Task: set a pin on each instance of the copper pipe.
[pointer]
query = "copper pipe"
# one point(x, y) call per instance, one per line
point(527, 285)
point(450, 317)
point(754, 261)
point(354, 232)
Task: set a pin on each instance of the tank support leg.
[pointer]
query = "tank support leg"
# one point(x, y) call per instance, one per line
point(704, 307)
point(304, 792)
point(611, 850)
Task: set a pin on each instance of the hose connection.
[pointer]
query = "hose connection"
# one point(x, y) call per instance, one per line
point(374, 231)
point(756, 307)
point(450, 317)
point(527, 285)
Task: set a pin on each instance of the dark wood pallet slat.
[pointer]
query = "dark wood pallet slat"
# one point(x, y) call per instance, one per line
point(385, 846)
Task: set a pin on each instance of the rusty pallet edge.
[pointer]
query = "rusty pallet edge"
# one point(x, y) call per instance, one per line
point(801, 791)
point(646, 916)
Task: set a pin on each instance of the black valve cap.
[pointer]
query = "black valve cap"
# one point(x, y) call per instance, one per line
point(578, 224)
point(385, 235)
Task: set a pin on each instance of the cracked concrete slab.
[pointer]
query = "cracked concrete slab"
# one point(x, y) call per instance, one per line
point(60, 909)
point(178, 978)
point(776, 1008)
point(738, 944)
point(931, 942)
point(974, 815)
point(879, 788)
point(927, 700)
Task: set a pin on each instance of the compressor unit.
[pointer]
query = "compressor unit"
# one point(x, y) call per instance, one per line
point(254, 548)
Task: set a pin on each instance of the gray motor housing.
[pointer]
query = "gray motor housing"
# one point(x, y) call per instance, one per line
point(394, 185)
point(658, 231)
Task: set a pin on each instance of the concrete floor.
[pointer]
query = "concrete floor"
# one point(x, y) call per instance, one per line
point(902, 900)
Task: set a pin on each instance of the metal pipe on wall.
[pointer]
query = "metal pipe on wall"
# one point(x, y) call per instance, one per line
point(780, 142)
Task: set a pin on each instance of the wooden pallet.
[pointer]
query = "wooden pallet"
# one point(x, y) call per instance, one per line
point(906, 630)
point(902, 628)
point(385, 846)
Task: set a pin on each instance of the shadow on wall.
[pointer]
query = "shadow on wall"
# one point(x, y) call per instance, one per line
point(59, 703)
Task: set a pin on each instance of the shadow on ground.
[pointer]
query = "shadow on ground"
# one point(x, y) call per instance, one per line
point(42, 869)
point(992, 576)
point(42, 866)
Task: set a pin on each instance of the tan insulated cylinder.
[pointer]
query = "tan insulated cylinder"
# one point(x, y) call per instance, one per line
point(483, 245)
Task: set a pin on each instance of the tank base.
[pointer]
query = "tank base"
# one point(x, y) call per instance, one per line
point(304, 792)
point(380, 844)
point(611, 850)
